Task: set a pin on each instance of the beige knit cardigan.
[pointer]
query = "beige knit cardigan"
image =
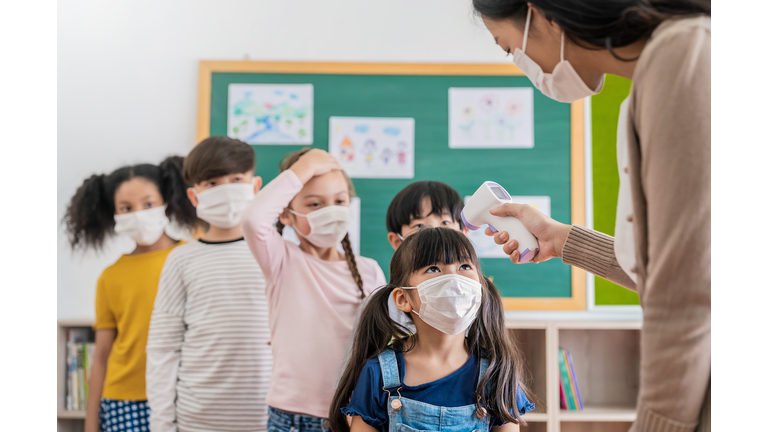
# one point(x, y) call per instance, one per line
point(669, 168)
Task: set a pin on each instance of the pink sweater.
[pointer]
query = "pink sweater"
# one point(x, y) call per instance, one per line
point(312, 305)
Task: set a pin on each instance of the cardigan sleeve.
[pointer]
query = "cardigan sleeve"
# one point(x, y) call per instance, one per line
point(593, 251)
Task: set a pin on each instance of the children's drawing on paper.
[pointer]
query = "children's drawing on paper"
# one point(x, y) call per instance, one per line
point(270, 113)
point(493, 117)
point(485, 246)
point(373, 147)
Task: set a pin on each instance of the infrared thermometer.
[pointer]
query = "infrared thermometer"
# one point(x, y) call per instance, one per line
point(477, 213)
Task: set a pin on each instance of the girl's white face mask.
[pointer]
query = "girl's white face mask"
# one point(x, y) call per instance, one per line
point(327, 226)
point(223, 206)
point(145, 227)
point(449, 303)
point(563, 84)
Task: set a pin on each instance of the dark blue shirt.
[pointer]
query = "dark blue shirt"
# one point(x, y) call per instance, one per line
point(370, 402)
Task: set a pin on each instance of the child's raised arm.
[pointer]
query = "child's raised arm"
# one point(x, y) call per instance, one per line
point(266, 244)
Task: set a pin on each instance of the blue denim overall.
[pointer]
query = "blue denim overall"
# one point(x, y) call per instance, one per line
point(415, 416)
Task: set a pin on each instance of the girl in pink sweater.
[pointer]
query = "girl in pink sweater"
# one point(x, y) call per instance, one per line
point(313, 290)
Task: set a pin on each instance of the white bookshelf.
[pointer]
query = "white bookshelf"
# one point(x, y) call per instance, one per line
point(67, 421)
point(606, 356)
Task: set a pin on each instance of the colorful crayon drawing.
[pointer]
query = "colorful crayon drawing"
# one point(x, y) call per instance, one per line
point(386, 155)
point(271, 113)
point(401, 153)
point(369, 148)
point(490, 117)
point(346, 151)
point(377, 141)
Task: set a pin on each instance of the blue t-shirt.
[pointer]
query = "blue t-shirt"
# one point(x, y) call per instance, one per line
point(370, 402)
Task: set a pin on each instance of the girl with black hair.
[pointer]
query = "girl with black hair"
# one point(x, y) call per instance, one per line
point(458, 372)
point(138, 201)
point(662, 247)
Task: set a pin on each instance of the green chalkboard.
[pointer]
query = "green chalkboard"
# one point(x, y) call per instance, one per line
point(605, 177)
point(542, 170)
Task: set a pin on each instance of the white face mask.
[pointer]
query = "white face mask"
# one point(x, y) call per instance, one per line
point(145, 227)
point(327, 226)
point(222, 206)
point(563, 84)
point(449, 303)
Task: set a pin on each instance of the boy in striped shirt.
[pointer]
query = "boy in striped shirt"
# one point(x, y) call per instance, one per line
point(208, 354)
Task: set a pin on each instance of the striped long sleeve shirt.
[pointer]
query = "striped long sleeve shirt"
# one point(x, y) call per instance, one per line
point(208, 358)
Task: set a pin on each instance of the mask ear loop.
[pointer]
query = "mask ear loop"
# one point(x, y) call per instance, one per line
point(527, 25)
point(562, 44)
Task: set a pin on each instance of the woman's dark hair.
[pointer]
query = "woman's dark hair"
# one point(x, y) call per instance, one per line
point(597, 24)
point(286, 162)
point(218, 156)
point(90, 216)
point(488, 336)
point(406, 205)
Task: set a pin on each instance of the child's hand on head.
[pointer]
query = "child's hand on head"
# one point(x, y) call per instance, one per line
point(314, 163)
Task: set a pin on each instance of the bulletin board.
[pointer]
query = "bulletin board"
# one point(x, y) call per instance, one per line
point(554, 167)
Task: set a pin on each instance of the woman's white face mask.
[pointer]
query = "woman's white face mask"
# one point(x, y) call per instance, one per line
point(145, 227)
point(563, 84)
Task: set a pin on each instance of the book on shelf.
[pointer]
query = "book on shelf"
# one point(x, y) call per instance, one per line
point(80, 350)
point(574, 381)
point(570, 396)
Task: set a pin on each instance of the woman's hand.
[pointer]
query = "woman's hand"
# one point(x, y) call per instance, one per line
point(314, 163)
point(550, 233)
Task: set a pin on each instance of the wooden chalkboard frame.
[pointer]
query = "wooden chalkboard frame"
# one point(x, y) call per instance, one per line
point(578, 299)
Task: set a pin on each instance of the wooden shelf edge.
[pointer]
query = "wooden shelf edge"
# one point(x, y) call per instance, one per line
point(75, 323)
point(535, 417)
point(599, 414)
point(67, 414)
point(600, 325)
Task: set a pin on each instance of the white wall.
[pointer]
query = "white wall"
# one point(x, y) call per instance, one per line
point(127, 77)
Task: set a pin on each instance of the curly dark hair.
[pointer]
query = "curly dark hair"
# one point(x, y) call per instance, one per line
point(89, 219)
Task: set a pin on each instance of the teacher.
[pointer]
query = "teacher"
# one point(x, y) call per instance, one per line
point(662, 246)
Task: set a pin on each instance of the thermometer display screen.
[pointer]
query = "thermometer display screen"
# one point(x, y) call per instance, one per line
point(500, 193)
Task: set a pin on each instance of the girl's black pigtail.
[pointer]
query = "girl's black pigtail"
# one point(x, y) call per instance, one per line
point(89, 218)
point(174, 190)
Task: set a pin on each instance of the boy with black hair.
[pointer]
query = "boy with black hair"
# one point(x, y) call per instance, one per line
point(208, 355)
point(422, 204)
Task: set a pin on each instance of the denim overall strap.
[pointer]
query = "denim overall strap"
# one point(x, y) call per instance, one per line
point(483, 368)
point(389, 371)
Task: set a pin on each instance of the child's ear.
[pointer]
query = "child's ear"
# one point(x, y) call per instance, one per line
point(465, 230)
point(258, 181)
point(401, 301)
point(192, 197)
point(394, 240)
point(285, 218)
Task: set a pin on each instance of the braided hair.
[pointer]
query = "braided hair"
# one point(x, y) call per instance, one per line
point(286, 162)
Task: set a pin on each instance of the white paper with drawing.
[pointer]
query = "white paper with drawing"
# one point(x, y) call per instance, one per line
point(492, 117)
point(354, 228)
point(270, 113)
point(373, 147)
point(485, 246)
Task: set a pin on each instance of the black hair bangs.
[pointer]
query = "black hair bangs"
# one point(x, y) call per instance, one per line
point(430, 246)
point(406, 206)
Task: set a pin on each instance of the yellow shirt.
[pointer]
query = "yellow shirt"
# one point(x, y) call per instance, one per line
point(125, 296)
